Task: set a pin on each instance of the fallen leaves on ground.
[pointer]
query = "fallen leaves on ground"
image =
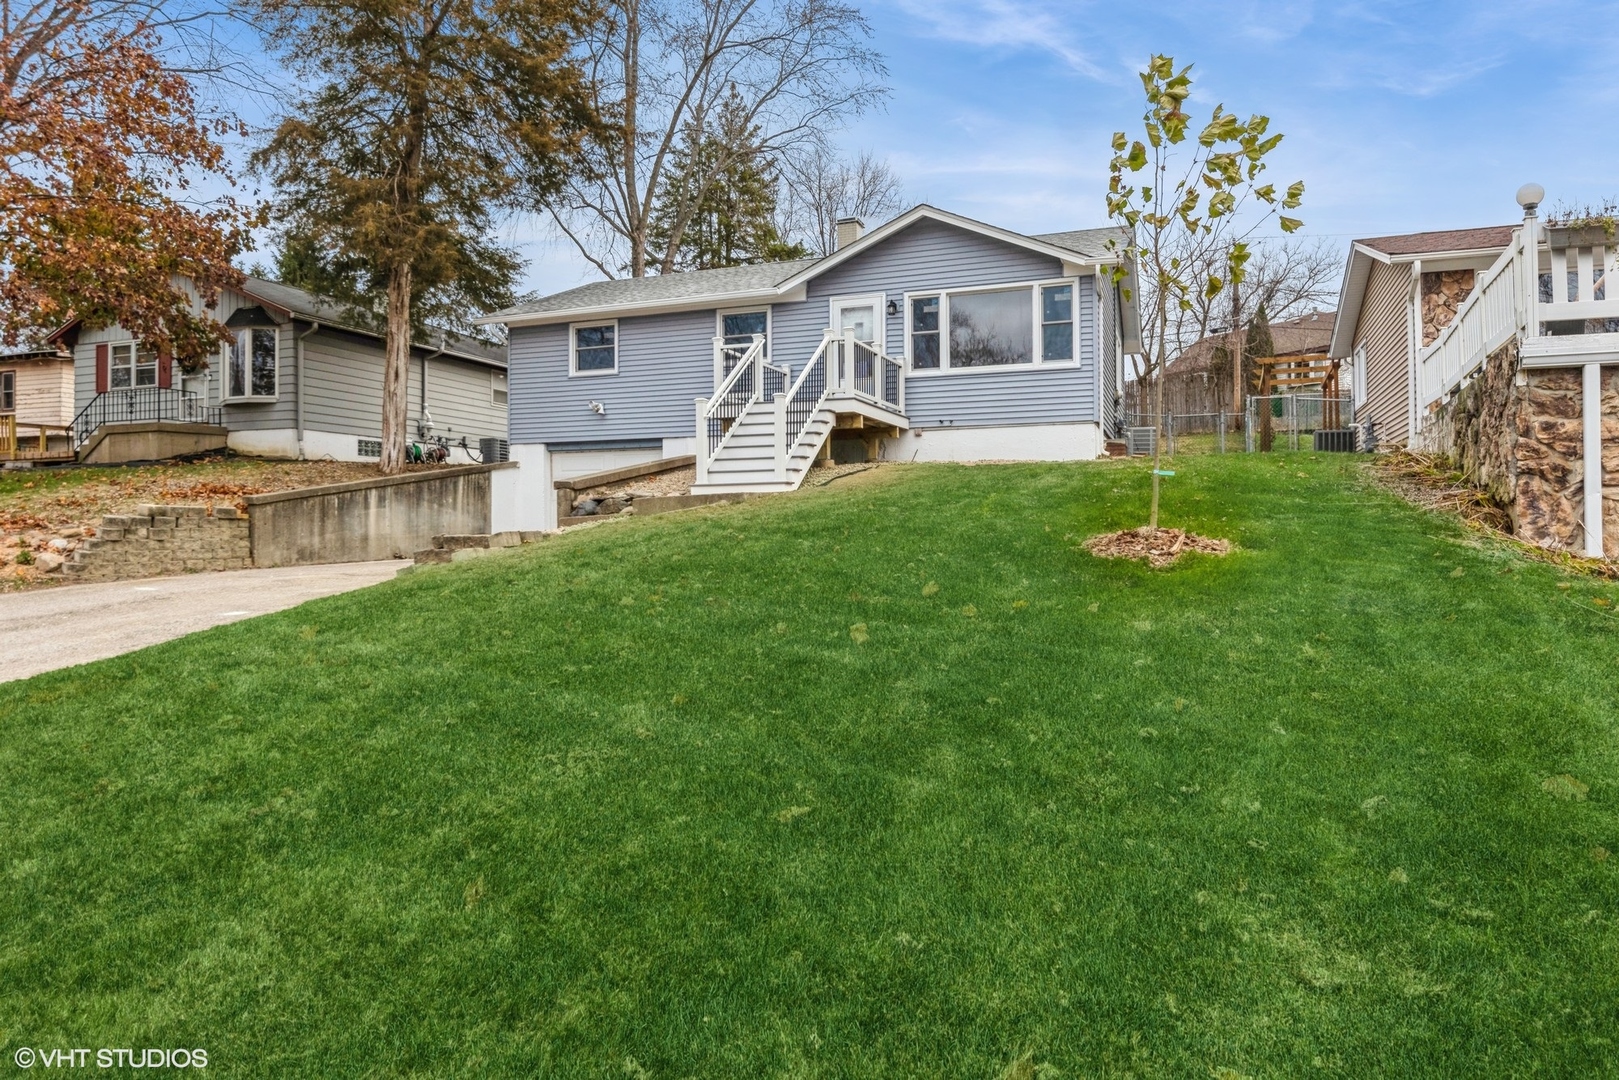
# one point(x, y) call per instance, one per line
point(1159, 547)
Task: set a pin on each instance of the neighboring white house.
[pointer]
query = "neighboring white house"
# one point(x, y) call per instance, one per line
point(934, 337)
point(299, 379)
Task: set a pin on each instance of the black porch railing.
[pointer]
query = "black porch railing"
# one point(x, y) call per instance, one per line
point(140, 403)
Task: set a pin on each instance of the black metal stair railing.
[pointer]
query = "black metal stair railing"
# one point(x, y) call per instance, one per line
point(142, 403)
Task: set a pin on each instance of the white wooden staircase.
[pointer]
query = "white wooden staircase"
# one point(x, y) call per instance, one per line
point(763, 429)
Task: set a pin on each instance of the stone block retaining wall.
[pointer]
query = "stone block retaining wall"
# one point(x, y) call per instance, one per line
point(1519, 434)
point(162, 540)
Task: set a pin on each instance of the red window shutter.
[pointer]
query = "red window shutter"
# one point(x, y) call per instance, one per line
point(165, 371)
point(102, 378)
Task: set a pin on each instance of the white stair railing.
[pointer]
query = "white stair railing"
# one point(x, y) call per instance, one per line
point(717, 416)
point(1490, 315)
point(796, 409)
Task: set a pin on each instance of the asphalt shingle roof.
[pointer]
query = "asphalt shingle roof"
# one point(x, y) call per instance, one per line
point(1425, 243)
point(307, 305)
point(689, 285)
point(702, 284)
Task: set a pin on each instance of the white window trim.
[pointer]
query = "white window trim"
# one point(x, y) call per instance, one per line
point(496, 386)
point(1357, 378)
point(134, 364)
point(225, 397)
point(573, 349)
point(1039, 362)
point(770, 321)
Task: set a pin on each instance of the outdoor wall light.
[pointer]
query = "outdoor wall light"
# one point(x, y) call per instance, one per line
point(893, 307)
point(598, 408)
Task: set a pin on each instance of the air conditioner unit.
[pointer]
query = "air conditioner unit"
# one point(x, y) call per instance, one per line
point(1339, 440)
point(492, 449)
point(1141, 440)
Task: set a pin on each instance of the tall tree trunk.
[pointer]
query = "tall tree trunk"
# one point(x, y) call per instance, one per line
point(396, 370)
point(635, 215)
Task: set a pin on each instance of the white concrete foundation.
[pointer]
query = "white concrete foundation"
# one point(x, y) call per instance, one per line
point(567, 464)
point(523, 498)
point(1028, 442)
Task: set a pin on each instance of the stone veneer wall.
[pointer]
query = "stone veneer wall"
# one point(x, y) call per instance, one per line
point(1519, 434)
point(160, 540)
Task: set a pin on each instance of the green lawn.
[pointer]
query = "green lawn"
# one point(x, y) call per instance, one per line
point(888, 779)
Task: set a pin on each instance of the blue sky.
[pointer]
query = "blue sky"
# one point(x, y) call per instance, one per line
point(1398, 116)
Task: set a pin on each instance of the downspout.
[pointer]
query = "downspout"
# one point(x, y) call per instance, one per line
point(298, 387)
point(425, 423)
point(1413, 338)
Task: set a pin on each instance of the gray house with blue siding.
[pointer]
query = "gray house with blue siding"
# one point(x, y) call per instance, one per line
point(931, 338)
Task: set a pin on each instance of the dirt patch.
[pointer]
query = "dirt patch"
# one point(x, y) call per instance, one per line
point(1433, 483)
point(673, 482)
point(1159, 547)
point(49, 512)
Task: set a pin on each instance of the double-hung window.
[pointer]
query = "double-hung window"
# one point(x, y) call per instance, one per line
point(8, 391)
point(130, 365)
point(595, 349)
point(497, 388)
point(924, 333)
point(1056, 322)
point(251, 370)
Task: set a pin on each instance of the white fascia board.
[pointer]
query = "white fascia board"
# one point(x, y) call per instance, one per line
point(933, 213)
point(1351, 295)
point(661, 307)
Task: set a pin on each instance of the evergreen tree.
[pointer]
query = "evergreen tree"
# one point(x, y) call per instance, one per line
point(416, 124)
point(1259, 342)
point(724, 214)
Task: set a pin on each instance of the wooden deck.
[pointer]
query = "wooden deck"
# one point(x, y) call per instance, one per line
point(23, 440)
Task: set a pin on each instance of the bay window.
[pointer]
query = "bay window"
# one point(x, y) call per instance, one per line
point(251, 368)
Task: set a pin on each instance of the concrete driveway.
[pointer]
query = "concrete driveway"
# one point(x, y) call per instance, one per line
point(74, 624)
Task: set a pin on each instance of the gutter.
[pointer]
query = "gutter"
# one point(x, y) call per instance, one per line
point(298, 385)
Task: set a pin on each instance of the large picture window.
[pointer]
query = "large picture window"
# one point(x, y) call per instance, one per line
point(989, 329)
point(251, 372)
point(595, 349)
point(130, 365)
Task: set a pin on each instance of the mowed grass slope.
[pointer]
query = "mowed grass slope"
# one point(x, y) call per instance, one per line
point(884, 780)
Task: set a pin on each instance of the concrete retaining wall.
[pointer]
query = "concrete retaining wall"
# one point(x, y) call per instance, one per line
point(391, 517)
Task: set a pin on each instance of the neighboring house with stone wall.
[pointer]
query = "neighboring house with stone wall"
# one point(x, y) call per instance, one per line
point(1398, 295)
point(301, 378)
point(1519, 381)
point(934, 337)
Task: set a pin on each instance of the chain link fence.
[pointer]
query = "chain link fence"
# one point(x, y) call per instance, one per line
point(1274, 422)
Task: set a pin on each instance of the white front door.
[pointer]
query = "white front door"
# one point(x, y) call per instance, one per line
point(863, 317)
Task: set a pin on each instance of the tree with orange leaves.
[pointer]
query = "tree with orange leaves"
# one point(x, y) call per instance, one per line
point(101, 143)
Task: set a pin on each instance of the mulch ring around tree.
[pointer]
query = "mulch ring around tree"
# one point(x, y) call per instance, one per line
point(1159, 547)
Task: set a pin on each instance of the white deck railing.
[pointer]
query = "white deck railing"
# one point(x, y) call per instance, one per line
point(1558, 306)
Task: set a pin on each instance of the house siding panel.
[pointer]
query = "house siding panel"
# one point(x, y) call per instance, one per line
point(460, 397)
point(1383, 331)
point(665, 362)
point(44, 390)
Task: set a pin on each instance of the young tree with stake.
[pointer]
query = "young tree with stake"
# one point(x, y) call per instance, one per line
point(1189, 200)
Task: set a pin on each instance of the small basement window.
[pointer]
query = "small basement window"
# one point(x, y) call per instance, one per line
point(370, 448)
point(595, 349)
point(251, 368)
